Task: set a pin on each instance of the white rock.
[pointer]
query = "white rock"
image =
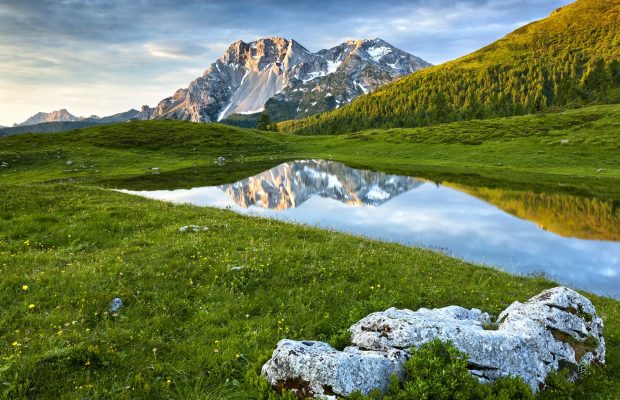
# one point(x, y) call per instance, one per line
point(530, 342)
point(315, 369)
point(193, 228)
point(556, 329)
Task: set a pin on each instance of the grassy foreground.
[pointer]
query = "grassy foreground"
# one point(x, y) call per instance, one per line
point(193, 328)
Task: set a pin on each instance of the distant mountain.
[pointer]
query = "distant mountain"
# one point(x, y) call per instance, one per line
point(66, 121)
point(569, 59)
point(289, 185)
point(46, 127)
point(287, 77)
point(54, 116)
point(120, 117)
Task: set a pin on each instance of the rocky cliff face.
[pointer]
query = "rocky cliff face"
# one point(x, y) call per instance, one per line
point(54, 116)
point(355, 68)
point(289, 78)
point(290, 184)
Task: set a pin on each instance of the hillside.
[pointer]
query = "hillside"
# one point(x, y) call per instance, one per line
point(191, 327)
point(525, 153)
point(567, 60)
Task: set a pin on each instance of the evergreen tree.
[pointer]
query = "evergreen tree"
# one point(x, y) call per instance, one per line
point(264, 123)
point(568, 60)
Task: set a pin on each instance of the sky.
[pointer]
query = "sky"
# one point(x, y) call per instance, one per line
point(103, 56)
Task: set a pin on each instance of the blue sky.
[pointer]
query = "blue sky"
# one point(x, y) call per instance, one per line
point(103, 56)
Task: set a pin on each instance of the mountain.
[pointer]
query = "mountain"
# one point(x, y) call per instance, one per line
point(54, 116)
point(112, 119)
point(289, 185)
point(292, 80)
point(569, 59)
point(66, 122)
point(46, 127)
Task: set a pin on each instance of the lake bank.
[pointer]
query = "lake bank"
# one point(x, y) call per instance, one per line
point(76, 248)
point(193, 323)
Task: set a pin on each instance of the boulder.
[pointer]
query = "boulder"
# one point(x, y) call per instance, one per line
point(556, 329)
point(315, 369)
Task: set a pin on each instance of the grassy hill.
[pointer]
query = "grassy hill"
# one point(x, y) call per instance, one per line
point(525, 153)
point(193, 329)
point(569, 59)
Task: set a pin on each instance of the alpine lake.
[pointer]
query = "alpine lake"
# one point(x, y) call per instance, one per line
point(572, 239)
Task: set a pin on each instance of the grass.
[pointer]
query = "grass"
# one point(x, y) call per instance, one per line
point(190, 326)
point(519, 153)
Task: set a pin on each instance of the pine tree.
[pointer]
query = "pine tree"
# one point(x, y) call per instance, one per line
point(264, 123)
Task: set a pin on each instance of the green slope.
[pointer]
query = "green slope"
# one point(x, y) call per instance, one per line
point(193, 329)
point(567, 60)
point(524, 152)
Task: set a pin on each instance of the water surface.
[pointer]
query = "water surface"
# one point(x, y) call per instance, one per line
point(571, 239)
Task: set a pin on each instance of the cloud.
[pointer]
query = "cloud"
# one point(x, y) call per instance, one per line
point(53, 44)
point(175, 50)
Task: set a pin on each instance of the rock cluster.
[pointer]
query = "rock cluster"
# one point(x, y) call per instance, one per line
point(193, 228)
point(556, 329)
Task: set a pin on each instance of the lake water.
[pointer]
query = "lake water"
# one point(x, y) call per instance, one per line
point(571, 239)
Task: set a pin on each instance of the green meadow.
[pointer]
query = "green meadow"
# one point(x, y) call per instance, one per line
point(194, 327)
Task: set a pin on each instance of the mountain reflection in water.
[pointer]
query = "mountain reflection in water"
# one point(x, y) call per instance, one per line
point(520, 232)
point(289, 185)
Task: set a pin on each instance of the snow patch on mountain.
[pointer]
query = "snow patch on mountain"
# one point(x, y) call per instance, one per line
point(251, 77)
point(377, 53)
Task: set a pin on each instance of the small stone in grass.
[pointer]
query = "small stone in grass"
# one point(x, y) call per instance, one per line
point(193, 228)
point(116, 305)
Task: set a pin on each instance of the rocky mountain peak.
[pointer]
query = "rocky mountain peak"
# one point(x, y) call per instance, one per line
point(248, 75)
point(61, 115)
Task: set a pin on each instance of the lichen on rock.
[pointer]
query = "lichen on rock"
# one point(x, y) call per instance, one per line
point(556, 329)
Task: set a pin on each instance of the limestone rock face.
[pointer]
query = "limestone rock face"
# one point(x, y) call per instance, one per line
point(556, 329)
point(249, 75)
point(315, 369)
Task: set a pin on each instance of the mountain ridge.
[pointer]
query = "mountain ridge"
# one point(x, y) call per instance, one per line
point(63, 120)
point(61, 115)
point(569, 59)
point(248, 76)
